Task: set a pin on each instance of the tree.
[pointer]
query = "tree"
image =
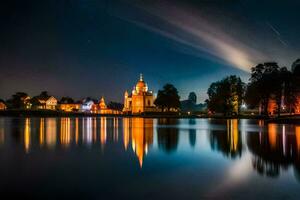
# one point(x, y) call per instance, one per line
point(296, 67)
point(67, 100)
point(261, 84)
point(44, 94)
point(19, 100)
point(269, 81)
point(193, 97)
point(115, 105)
point(167, 98)
point(226, 96)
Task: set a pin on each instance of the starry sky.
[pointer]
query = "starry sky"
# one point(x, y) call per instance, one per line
point(97, 48)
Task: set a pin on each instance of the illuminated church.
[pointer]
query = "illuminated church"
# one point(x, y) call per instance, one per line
point(141, 100)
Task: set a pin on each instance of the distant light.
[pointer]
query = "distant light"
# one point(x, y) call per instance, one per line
point(244, 106)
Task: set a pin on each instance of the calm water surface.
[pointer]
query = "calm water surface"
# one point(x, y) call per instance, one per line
point(136, 158)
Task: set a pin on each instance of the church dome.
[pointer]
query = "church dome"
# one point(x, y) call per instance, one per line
point(141, 85)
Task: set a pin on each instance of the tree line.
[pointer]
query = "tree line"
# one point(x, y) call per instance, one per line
point(268, 82)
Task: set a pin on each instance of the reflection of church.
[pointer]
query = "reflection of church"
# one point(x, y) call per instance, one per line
point(141, 132)
point(141, 100)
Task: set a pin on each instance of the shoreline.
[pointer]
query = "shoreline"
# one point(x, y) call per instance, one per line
point(294, 119)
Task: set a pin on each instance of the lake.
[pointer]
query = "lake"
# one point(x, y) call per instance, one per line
point(142, 158)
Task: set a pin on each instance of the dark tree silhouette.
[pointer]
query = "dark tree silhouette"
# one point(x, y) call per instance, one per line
point(296, 67)
point(44, 94)
point(226, 96)
point(167, 98)
point(115, 105)
point(269, 81)
point(67, 100)
point(18, 100)
point(167, 138)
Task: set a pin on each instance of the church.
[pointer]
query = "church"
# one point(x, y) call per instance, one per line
point(141, 100)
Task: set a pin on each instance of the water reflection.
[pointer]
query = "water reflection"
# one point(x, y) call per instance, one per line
point(227, 141)
point(167, 136)
point(272, 148)
point(192, 133)
point(2, 136)
point(27, 135)
point(276, 149)
point(141, 137)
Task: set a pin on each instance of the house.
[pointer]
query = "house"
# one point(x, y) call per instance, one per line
point(44, 102)
point(2, 105)
point(67, 104)
point(88, 105)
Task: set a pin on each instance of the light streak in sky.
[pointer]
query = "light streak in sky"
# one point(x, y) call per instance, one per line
point(237, 39)
point(189, 27)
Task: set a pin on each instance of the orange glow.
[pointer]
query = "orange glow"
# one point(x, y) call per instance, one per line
point(69, 107)
point(297, 132)
point(272, 106)
point(297, 106)
point(142, 137)
point(272, 128)
point(233, 134)
point(27, 136)
point(51, 132)
point(94, 130)
point(103, 133)
point(42, 131)
point(126, 132)
point(2, 106)
point(65, 132)
point(141, 100)
point(76, 131)
point(116, 131)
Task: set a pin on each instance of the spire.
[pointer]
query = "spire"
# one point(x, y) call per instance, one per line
point(141, 77)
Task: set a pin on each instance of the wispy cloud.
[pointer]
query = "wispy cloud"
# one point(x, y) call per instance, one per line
point(230, 35)
point(190, 27)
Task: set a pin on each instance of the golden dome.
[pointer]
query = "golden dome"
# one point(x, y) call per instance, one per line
point(141, 85)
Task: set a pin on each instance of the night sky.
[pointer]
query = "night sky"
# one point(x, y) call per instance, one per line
point(83, 48)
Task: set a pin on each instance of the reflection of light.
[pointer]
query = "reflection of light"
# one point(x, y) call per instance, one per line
point(27, 135)
point(103, 131)
point(50, 132)
point(272, 135)
point(142, 136)
point(116, 126)
point(297, 132)
point(261, 123)
point(76, 130)
point(138, 138)
point(42, 131)
point(65, 132)
point(87, 131)
point(2, 137)
point(244, 106)
point(233, 135)
point(126, 132)
point(94, 130)
point(283, 140)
